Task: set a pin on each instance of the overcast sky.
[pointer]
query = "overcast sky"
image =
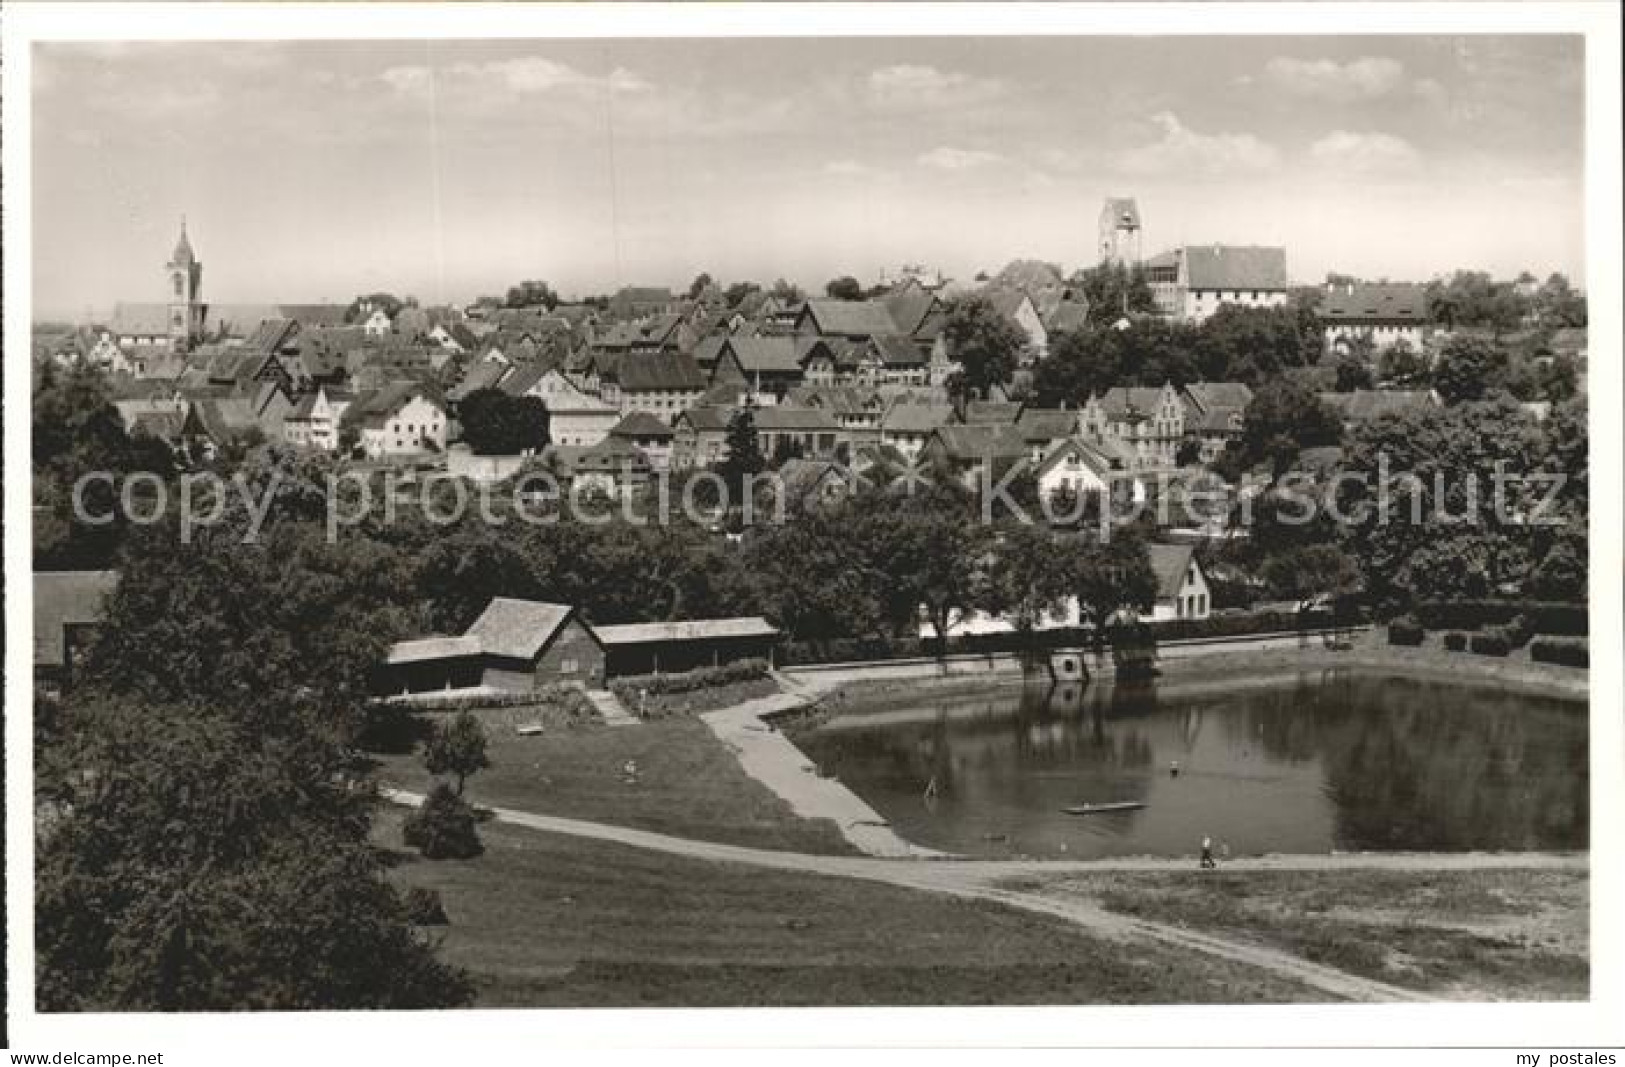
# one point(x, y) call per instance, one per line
point(311, 171)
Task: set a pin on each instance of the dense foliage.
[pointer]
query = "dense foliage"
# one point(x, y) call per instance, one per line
point(496, 424)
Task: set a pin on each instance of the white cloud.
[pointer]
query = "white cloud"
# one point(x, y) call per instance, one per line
point(946, 158)
point(1366, 78)
point(915, 86)
point(1365, 153)
point(523, 76)
point(1184, 151)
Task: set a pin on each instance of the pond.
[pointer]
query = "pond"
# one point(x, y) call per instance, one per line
point(1322, 761)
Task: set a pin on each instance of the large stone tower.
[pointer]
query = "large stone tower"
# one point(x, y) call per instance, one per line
point(185, 293)
point(1120, 232)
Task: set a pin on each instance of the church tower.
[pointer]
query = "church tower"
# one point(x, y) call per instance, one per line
point(1119, 232)
point(185, 293)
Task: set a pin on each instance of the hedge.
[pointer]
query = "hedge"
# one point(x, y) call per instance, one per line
point(1543, 616)
point(745, 670)
point(1455, 642)
point(1491, 643)
point(1567, 652)
point(1405, 631)
point(856, 650)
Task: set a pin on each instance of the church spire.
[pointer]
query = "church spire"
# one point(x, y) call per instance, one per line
point(183, 247)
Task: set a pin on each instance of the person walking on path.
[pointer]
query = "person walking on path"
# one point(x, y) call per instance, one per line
point(1207, 854)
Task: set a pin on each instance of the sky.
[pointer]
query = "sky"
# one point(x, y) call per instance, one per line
point(316, 170)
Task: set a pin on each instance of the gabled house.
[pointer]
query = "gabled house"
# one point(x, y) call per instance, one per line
point(768, 367)
point(1046, 428)
point(1149, 422)
point(399, 419)
point(700, 437)
point(377, 323)
point(1366, 405)
point(1075, 468)
point(810, 484)
point(906, 427)
point(1191, 283)
point(1182, 588)
point(575, 417)
point(805, 432)
point(647, 434)
point(974, 454)
point(514, 646)
point(855, 320)
point(1017, 307)
point(69, 608)
point(612, 467)
point(314, 421)
point(1215, 413)
point(1383, 314)
point(661, 383)
point(637, 302)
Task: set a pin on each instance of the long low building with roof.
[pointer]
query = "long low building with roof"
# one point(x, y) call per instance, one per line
point(517, 646)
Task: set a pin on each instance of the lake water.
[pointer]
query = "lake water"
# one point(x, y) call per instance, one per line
point(1305, 762)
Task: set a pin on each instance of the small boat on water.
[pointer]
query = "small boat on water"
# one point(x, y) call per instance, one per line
point(1101, 809)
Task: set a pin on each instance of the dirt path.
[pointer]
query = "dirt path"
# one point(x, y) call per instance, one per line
point(982, 880)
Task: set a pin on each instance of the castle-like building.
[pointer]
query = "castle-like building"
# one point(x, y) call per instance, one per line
point(1119, 232)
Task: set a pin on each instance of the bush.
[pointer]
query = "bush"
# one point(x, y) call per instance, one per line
point(1544, 617)
point(423, 907)
point(1491, 643)
point(745, 670)
point(443, 828)
point(1568, 653)
point(1455, 642)
point(1405, 630)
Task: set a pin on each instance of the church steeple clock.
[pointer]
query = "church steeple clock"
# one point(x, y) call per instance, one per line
point(185, 293)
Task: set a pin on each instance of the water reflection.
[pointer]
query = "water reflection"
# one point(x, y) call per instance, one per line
point(1308, 763)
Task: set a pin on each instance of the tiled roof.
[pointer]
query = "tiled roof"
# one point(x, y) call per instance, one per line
point(783, 417)
point(851, 318)
point(237, 320)
point(1119, 399)
point(772, 355)
point(992, 412)
point(517, 628)
point(1212, 396)
point(667, 371)
point(1047, 424)
point(640, 633)
point(898, 351)
point(640, 424)
point(432, 648)
point(1067, 315)
point(1169, 563)
point(1362, 405)
point(308, 315)
point(908, 307)
point(1376, 302)
point(140, 320)
point(270, 335)
point(376, 406)
point(707, 417)
point(916, 418)
point(983, 442)
point(65, 598)
point(1235, 267)
point(161, 425)
point(1091, 456)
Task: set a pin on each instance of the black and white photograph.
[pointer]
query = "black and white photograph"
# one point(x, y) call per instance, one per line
point(1076, 515)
